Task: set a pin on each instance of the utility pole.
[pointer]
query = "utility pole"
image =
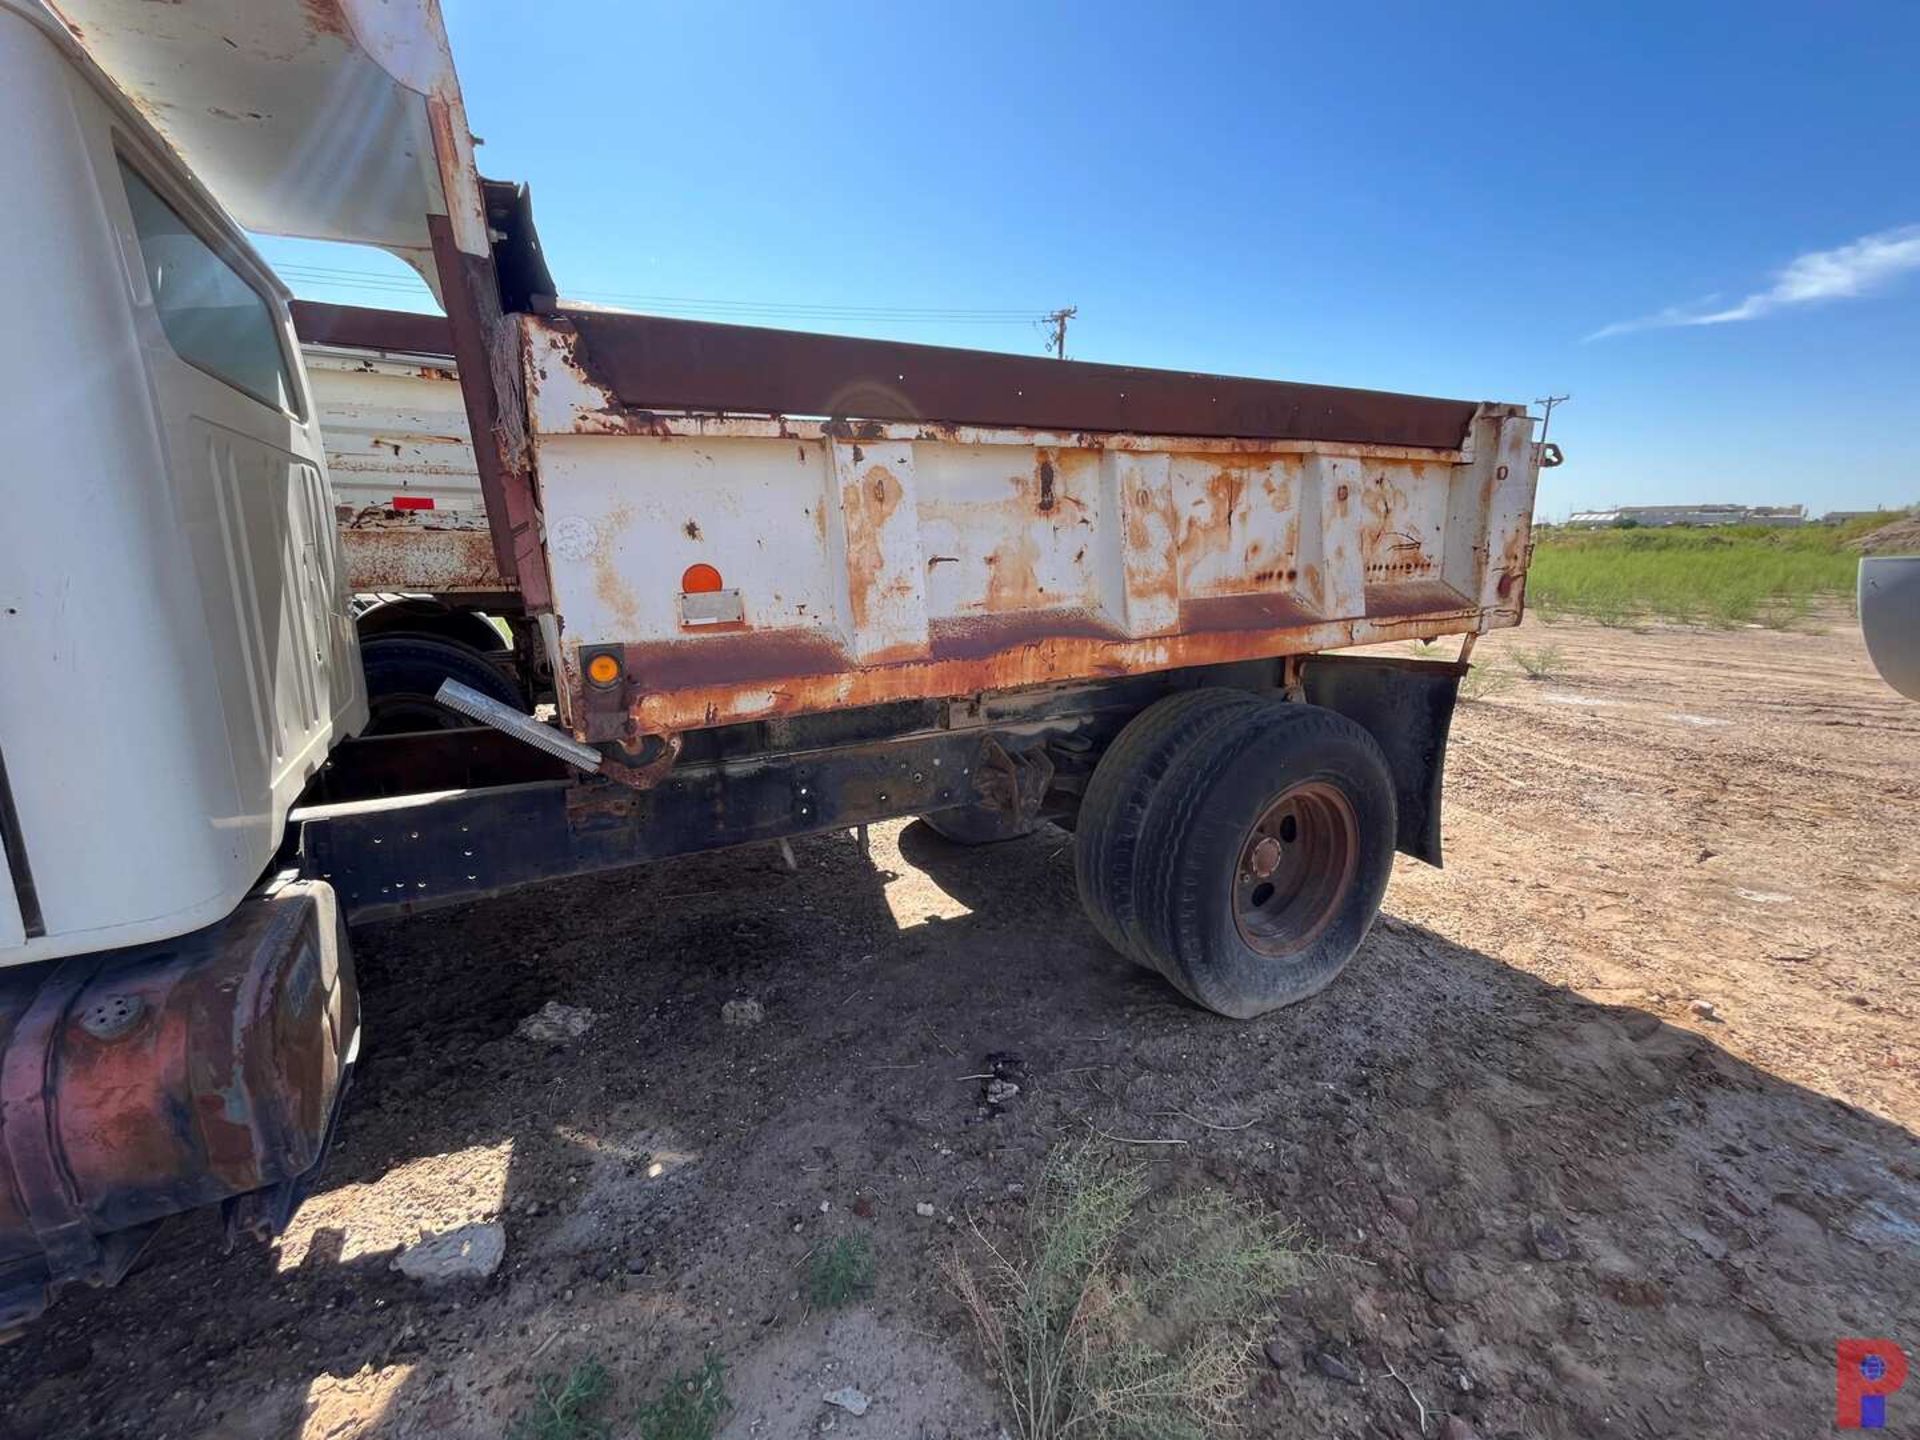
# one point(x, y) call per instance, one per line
point(1548, 402)
point(1058, 320)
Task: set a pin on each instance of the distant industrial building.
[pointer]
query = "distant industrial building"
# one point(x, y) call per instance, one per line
point(1655, 516)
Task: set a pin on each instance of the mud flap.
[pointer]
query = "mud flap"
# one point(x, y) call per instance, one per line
point(1407, 706)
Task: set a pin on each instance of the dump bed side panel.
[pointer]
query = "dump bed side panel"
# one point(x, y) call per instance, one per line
point(406, 490)
point(742, 566)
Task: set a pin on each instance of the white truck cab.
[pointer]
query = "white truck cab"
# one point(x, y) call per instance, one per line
point(178, 1016)
point(173, 632)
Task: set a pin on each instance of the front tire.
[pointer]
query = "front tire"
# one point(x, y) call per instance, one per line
point(1264, 857)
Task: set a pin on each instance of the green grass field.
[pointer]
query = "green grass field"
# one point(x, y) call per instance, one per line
point(1735, 575)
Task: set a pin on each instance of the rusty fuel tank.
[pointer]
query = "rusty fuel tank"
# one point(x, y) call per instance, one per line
point(141, 1083)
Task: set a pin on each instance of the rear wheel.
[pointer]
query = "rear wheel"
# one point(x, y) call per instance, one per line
point(1264, 856)
point(404, 672)
point(1117, 799)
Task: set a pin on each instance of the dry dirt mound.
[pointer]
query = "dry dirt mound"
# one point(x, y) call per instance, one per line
point(1902, 537)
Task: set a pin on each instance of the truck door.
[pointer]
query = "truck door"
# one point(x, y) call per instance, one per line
point(248, 483)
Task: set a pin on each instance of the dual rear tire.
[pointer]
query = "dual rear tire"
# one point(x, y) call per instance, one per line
point(1239, 846)
point(404, 672)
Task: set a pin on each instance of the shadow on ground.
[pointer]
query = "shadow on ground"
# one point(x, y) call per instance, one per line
point(1439, 1119)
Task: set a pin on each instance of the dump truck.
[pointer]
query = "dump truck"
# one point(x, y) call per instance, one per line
point(694, 585)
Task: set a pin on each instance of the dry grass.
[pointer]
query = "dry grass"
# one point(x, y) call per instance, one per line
point(1484, 680)
point(1124, 1315)
point(1544, 662)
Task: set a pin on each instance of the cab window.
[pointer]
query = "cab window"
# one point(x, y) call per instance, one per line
point(213, 317)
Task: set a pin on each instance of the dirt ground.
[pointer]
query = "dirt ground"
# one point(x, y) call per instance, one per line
point(1514, 1059)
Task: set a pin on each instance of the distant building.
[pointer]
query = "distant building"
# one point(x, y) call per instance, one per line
point(1656, 516)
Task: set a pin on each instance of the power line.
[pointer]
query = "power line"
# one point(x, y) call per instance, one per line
point(329, 277)
point(928, 311)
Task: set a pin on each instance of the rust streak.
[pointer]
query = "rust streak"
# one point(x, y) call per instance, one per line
point(609, 584)
point(800, 673)
point(1012, 579)
point(869, 504)
point(436, 560)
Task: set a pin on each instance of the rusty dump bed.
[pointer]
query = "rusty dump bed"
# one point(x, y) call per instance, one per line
point(400, 459)
point(754, 523)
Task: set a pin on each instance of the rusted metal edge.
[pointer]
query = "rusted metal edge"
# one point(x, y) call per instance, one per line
point(650, 362)
point(486, 349)
point(673, 424)
point(360, 328)
point(723, 699)
point(27, 1079)
point(394, 554)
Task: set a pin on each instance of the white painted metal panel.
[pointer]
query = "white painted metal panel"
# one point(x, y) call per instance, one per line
point(393, 426)
point(1010, 528)
point(1238, 522)
point(331, 119)
point(175, 653)
point(395, 429)
point(876, 499)
point(1135, 536)
point(625, 522)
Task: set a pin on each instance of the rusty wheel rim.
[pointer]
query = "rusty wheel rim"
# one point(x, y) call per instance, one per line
point(1295, 867)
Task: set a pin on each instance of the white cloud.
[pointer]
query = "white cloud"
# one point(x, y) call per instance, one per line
point(1838, 274)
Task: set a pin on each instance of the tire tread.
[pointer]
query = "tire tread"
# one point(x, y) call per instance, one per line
point(1119, 796)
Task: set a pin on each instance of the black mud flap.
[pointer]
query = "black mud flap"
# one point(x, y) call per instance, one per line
point(1407, 706)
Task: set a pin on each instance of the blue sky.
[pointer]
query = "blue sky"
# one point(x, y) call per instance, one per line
point(1412, 197)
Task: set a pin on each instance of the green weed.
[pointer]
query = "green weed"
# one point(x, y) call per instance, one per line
point(1728, 576)
point(564, 1406)
point(841, 1272)
point(690, 1407)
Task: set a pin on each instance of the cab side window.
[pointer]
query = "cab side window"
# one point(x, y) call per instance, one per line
point(213, 317)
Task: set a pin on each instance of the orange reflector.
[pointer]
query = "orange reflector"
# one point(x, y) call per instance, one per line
point(603, 669)
point(700, 580)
